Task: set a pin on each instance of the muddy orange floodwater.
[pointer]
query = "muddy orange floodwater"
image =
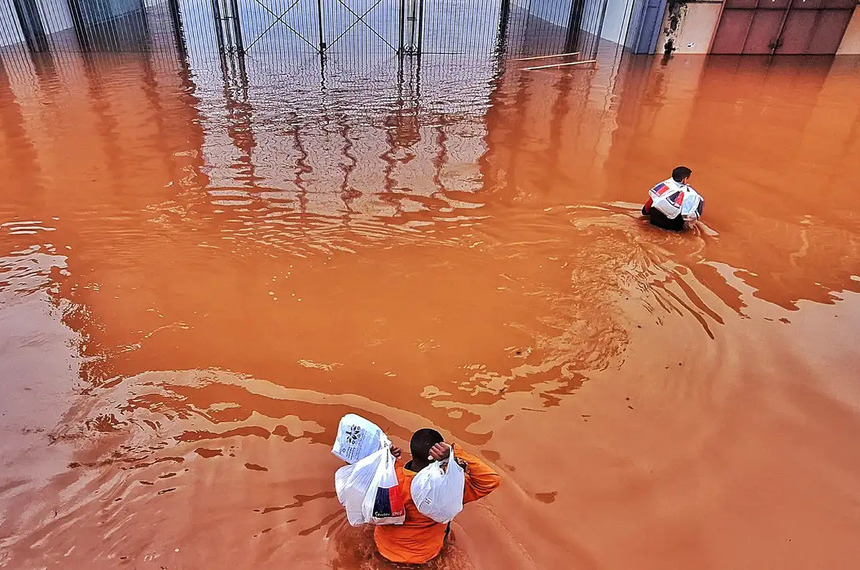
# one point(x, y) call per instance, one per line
point(200, 275)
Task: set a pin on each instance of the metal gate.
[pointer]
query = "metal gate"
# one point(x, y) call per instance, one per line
point(782, 26)
point(342, 26)
point(320, 25)
point(294, 29)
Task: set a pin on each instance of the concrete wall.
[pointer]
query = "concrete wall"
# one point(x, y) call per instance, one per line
point(851, 40)
point(697, 24)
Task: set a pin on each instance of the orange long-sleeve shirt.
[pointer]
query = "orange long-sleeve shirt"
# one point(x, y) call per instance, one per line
point(420, 539)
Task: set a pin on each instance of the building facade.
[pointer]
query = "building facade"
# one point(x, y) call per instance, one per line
point(750, 27)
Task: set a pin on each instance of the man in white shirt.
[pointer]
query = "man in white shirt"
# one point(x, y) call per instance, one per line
point(673, 202)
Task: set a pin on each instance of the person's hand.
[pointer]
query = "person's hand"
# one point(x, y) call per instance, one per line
point(395, 451)
point(440, 452)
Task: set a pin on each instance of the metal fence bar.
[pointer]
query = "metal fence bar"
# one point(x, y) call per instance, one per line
point(31, 25)
point(323, 45)
point(401, 26)
point(176, 23)
point(420, 25)
point(219, 32)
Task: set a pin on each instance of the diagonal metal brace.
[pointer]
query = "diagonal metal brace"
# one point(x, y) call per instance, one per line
point(361, 19)
point(281, 20)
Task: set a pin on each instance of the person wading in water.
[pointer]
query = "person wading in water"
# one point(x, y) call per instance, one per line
point(673, 202)
point(420, 539)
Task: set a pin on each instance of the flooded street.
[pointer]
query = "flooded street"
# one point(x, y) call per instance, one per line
point(201, 273)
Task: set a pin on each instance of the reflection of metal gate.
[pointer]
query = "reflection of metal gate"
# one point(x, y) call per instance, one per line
point(782, 26)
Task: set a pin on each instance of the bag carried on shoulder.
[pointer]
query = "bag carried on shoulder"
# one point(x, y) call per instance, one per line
point(438, 491)
point(369, 490)
point(357, 438)
point(673, 199)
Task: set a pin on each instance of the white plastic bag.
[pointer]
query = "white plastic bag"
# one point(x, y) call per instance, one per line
point(693, 205)
point(369, 490)
point(673, 199)
point(667, 198)
point(357, 438)
point(438, 492)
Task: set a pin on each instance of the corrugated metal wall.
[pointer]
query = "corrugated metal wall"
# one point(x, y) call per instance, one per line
point(782, 26)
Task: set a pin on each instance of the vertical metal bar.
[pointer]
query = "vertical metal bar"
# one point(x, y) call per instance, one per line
point(573, 25)
point(113, 25)
point(176, 21)
point(314, 23)
point(79, 25)
point(402, 16)
point(327, 21)
point(420, 25)
point(600, 28)
point(61, 40)
point(237, 27)
point(132, 29)
point(48, 17)
point(105, 31)
point(31, 25)
point(319, 20)
point(219, 35)
point(502, 35)
point(143, 30)
point(525, 46)
point(92, 22)
point(189, 27)
point(413, 6)
point(100, 29)
point(226, 28)
point(243, 77)
point(276, 41)
point(119, 25)
point(126, 23)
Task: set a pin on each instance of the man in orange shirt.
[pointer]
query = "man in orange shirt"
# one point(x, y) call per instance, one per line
point(420, 539)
